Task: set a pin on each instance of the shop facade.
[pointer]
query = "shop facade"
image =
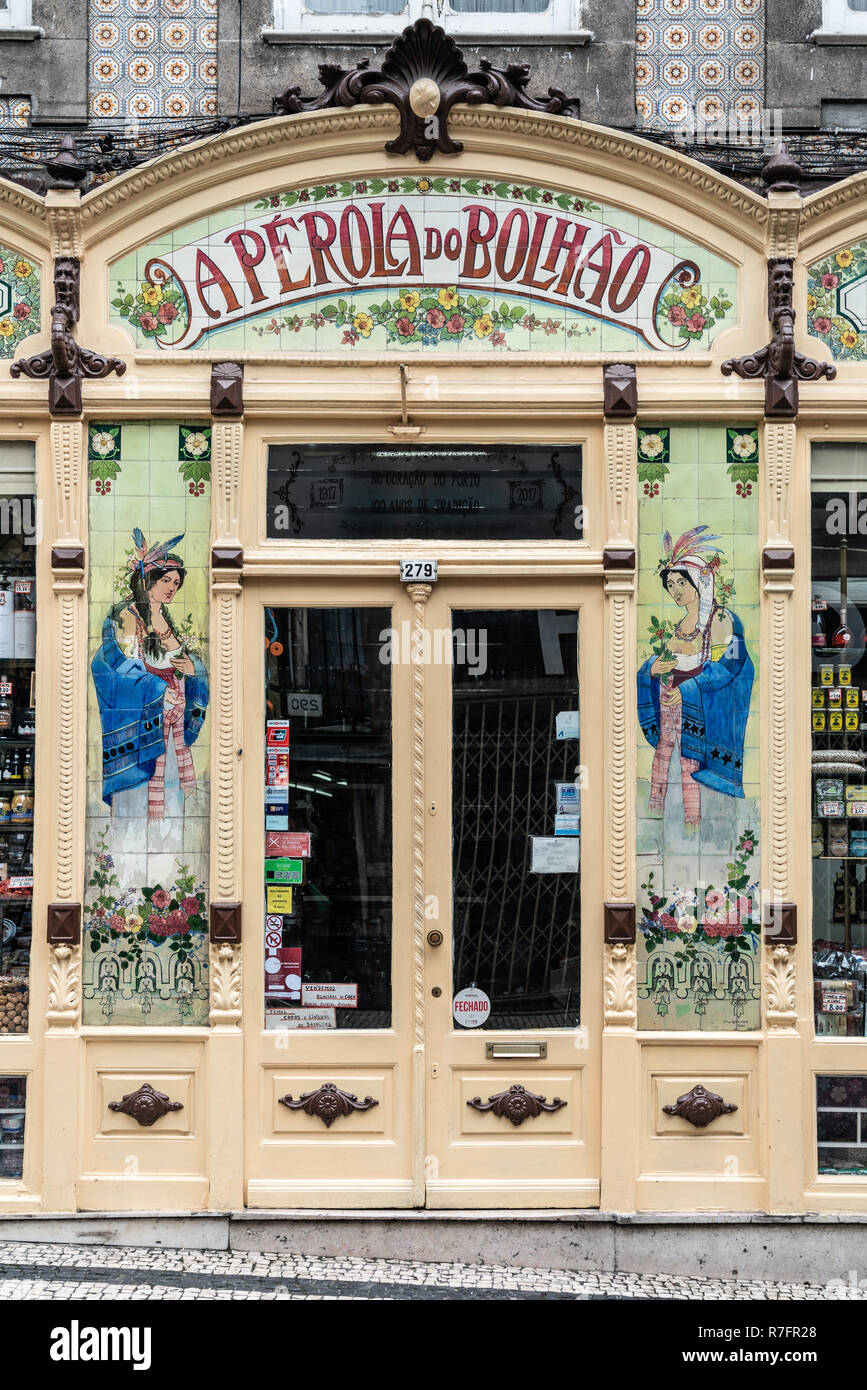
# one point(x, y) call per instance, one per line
point(425, 565)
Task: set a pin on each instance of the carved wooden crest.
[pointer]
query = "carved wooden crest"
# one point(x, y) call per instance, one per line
point(66, 363)
point(423, 75)
point(328, 1103)
point(145, 1105)
point(700, 1107)
point(517, 1104)
point(778, 362)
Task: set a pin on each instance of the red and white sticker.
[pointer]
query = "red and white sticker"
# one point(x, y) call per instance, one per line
point(295, 844)
point(471, 1007)
point(283, 971)
point(277, 733)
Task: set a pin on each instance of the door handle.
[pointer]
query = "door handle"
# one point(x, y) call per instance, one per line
point(435, 937)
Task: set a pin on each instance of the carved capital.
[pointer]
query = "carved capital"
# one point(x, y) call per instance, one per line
point(225, 986)
point(64, 981)
point(621, 996)
point(780, 1006)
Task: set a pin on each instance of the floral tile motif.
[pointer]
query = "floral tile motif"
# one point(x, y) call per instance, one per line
point(742, 456)
point(654, 452)
point(699, 60)
point(194, 457)
point(103, 456)
point(837, 301)
point(152, 58)
point(19, 300)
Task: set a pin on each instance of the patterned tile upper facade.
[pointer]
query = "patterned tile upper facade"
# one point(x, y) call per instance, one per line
point(698, 60)
point(152, 58)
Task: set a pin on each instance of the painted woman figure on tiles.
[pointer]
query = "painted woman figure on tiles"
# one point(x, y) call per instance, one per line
point(696, 696)
point(152, 691)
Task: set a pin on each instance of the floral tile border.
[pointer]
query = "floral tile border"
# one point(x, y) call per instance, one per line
point(827, 281)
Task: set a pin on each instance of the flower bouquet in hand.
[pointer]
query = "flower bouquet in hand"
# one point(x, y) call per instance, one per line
point(660, 634)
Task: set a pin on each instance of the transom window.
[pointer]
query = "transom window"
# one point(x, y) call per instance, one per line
point(458, 17)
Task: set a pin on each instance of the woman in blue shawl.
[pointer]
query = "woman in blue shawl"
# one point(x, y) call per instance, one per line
point(698, 699)
point(152, 691)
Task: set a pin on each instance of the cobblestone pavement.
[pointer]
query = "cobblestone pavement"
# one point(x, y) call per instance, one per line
point(30, 1271)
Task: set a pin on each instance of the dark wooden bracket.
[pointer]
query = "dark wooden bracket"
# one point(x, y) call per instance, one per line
point(620, 391)
point(227, 390)
point(619, 924)
point(227, 557)
point(777, 558)
point(66, 363)
point(778, 364)
point(225, 924)
point(780, 923)
point(63, 922)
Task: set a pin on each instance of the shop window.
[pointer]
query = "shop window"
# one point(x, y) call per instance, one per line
point(458, 17)
point(843, 21)
point(362, 492)
point(328, 819)
point(12, 1109)
point(839, 737)
point(841, 1124)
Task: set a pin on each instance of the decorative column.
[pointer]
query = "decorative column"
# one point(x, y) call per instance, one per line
point(226, 1046)
point(419, 594)
point(619, 1061)
point(60, 781)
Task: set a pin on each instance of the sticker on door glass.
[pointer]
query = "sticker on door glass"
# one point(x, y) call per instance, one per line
point(471, 1007)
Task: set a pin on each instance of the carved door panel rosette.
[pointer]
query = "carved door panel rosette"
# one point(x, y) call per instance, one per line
point(517, 1104)
point(328, 1103)
point(145, 1105)
point(700, 1107)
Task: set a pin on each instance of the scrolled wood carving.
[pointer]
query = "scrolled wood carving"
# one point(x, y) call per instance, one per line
point(620, 987)
point(423, 75)
point(64, 978)
point(328, 1103)
point(225, 986)
point(517, 1104)
point(700, 1107)
point(145, 1105)
point(781, 1010)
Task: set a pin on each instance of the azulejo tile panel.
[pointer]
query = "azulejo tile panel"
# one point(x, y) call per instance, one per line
point(698, 783)
point(422, 263)
point(19, 299)
point(14, 112)
point(699, 59)
point(152, 58)
point(147, 836)
point(837, 301)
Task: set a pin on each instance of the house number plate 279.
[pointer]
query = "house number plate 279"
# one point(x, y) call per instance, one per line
point(418, 571)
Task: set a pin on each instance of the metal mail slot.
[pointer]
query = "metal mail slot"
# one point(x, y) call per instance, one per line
point(516, 1049)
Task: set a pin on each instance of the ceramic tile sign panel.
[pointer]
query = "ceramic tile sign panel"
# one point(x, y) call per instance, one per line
point(147, 839)
point(698, 771)
point(19, 299)
point(152, 59)
point(424, 264)
point(837, 301)
point(698, 62)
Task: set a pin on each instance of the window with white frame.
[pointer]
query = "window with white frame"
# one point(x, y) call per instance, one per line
point(15, 14)
point(843, 21)
point(459, 17)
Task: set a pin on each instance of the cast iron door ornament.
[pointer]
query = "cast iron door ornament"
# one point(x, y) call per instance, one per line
point(65, 363)
point(145, 1105)
point(423, 75)
point(700, 1107)
point(517, 1104)
point(328, 1103)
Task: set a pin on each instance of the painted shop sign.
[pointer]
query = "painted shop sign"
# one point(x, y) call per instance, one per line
point(431, 263)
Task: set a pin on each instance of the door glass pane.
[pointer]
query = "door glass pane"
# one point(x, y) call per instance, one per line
point(327, 890)
point(516, 909)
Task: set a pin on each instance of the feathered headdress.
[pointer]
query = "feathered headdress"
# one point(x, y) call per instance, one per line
point(156, 557)
point(692, 545)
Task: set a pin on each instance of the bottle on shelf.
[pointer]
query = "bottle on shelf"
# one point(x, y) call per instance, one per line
point(27, 769)
point(6, 709)
point(818, 637)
